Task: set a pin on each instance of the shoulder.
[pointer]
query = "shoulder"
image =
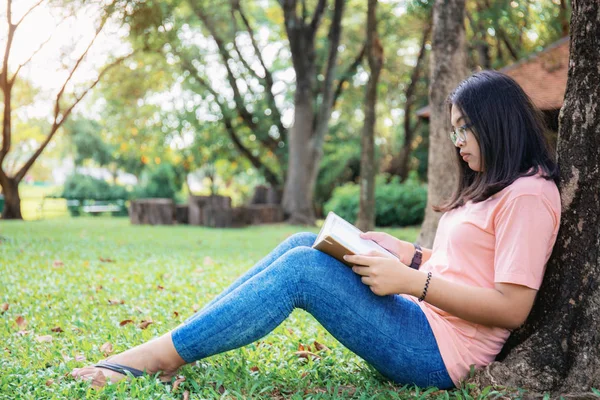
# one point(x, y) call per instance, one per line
point(532, 191)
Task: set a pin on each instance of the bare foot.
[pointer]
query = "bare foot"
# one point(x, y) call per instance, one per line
point(158, 355)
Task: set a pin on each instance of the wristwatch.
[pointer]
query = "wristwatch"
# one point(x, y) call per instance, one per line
point(416, 260)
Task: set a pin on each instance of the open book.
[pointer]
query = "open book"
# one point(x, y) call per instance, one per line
point(339, 237)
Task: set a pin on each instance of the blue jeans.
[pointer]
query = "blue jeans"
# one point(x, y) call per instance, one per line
point(390, 332)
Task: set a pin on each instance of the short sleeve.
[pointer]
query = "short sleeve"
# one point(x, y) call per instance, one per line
point(525, 231)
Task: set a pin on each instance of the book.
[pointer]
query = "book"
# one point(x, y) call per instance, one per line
point(339, 237)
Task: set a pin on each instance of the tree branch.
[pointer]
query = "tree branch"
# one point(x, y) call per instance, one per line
point(268, 79)
point(350, 71)
point(317, 16)
point(57, 124)
point(271, 177)
point(246, 115)
point(28, 11)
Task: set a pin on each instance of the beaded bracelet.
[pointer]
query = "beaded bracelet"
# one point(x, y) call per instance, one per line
point(426, 286)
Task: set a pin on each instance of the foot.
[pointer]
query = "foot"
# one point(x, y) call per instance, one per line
point(158, 355)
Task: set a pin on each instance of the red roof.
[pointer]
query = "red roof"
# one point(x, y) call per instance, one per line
point(543, 76)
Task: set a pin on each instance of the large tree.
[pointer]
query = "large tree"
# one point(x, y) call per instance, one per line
point(366, 212)
point(63, 105)
point(448, 68)
point(558, 349)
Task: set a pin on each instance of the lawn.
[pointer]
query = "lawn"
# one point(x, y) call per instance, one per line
point(69, 283)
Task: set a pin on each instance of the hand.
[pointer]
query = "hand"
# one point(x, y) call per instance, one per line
point(382, 274)
point(401, 248)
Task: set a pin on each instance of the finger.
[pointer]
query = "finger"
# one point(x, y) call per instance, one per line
point(367, 280)
point(363, 271)
point(369, 235)
point(374, 253)
point(359, 259)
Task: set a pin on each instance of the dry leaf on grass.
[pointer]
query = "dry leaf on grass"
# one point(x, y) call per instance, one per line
point(160, 287)
point(178, 382)
point(114, 302)
point(23, 332)
point(125, 322)
point(106, 260)
point(58, 263)
point(306, 354)
point(44, 339)
point(254, 369)
point(57, 329)
point(175, 314)
point(320, 346)
point(196, 307)
point(106, 348)
point(145, 323)
point(20, 321)
point(49, 382)
point(4, 308)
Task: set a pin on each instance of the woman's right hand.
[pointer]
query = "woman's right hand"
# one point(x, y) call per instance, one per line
point(405, 250)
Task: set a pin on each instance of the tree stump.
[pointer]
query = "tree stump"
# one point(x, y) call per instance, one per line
point(240, 217)
point(266, 195)
point(182, 214)
point(152, 211)
point(197, 203)
point(217, 217)
point(257, 214)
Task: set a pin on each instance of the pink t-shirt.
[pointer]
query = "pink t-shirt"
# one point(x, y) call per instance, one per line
point(507, 238)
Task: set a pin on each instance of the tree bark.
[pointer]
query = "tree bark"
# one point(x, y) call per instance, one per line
point(309, 129)
point(366, 211)
point(448, 68)
point(12, 199)
point(557, 349)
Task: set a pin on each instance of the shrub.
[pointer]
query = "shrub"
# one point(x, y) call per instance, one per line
point(396, 204)
point(82, 189)
point(158, 182)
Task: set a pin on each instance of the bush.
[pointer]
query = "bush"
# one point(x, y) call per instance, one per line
point(396, 204)
point(80, 190)
point(158, 182)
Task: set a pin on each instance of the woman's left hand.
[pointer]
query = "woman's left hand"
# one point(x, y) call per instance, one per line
point(382, 274)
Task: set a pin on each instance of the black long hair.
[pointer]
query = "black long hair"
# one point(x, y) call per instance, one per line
point(510, 132)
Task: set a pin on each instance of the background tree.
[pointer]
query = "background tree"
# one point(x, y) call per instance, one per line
point(448, 68)
point(366, 212)
point(557, 349)
point(62, 106)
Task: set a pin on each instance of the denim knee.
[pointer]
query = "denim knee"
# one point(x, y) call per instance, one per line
point(302, 239)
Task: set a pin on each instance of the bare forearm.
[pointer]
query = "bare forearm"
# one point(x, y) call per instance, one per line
point(486, 306)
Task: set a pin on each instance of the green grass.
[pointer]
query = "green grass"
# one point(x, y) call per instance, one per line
point(35, 207)
point(51, 274)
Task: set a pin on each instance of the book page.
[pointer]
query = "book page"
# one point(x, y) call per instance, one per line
point(349, 235)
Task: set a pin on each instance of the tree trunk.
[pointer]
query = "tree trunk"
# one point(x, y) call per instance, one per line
point(557, 350)
point(297, 197)
point(366, 212)
point(12, 200)
point(448, 68)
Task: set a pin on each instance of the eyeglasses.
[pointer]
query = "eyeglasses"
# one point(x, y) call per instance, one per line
point(459, 134)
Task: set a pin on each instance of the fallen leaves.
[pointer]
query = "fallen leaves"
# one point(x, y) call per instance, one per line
point(106, 260)
point(49, 382)
point(4, 307)
point(57, 329)
point(145, 323)
point(178, 381)
point(44, 339)
point(57, 263)
point(113, 302)
point(125, 322)
point(106, 348)
point(20, 321)
point(306, 352)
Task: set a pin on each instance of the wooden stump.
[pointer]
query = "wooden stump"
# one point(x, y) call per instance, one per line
point(264, 214)
point(152, 211)
point(240, 217)
point(182, 214)
point(266, 195)
point(197, 203)
point(217, 217)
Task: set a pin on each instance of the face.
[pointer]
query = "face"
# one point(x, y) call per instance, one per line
point(465, 140)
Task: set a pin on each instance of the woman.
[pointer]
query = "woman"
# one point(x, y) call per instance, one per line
point(432, 313)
